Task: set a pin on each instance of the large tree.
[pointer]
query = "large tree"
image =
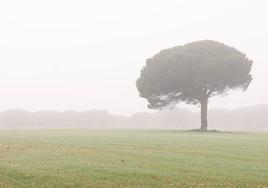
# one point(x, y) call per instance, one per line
point(193, 73)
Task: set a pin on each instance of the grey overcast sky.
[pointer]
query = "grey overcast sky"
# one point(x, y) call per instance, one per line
point(75, 54)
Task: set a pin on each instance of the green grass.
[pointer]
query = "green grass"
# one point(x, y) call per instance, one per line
point(131, 158)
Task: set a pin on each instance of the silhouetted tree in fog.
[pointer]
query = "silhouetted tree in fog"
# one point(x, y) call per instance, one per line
point(192, 74)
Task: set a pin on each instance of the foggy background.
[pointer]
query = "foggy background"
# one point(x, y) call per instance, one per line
point(80, 55)
point(244, 119)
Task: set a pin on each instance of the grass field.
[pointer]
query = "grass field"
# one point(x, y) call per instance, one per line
point(129, 158)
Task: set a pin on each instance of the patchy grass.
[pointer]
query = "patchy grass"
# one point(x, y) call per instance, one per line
point(131, 158)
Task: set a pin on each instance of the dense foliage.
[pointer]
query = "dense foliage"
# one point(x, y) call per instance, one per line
point(192, 73)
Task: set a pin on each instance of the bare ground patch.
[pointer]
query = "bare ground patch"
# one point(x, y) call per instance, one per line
point(13, 147)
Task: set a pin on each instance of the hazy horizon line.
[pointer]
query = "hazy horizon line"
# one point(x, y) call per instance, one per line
point(150, 111)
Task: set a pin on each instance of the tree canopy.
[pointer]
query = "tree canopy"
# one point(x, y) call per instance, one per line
point(192, 73)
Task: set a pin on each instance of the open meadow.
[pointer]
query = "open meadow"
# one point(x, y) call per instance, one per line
point(132, 158)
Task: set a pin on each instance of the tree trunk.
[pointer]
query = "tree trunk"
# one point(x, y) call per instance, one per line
point(204, 109)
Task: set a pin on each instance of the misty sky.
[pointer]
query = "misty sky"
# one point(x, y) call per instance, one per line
point(63, 54)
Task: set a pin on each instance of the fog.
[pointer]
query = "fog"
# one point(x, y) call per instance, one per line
point(85, 55)
point(252, 118)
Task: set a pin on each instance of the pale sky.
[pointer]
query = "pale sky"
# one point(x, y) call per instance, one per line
point(79, 55)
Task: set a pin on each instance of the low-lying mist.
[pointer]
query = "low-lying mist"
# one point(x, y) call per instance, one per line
point(252, 118)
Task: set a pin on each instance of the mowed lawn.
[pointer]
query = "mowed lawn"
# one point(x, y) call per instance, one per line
point(132, 158)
